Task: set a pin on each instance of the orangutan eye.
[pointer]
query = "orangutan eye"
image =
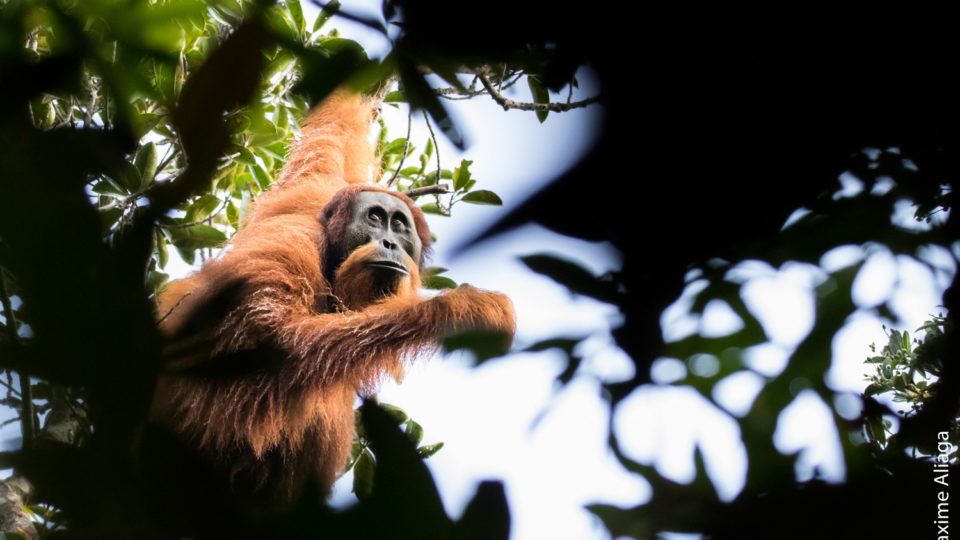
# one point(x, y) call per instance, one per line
point(399, 221)
point(375, 215)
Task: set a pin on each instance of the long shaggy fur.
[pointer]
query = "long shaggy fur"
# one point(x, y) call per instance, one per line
point(268, 351)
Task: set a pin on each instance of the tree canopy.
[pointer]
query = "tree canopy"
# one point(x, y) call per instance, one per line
point(130, 127)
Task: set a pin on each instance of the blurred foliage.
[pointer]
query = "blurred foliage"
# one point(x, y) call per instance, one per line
point(128, 128)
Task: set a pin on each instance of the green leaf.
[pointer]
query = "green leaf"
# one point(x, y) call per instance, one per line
point(428, 149)
point(263, 177)
point(145, 123)
point(540, 95)
point(202, 208)
point(398, 414)
point(161, 246)
point(461, 175)
point(107, 186)
point(363, 473)
point(296, 13)
point(429, 179)
point(482, 196)
point(243, 180)
point(146, 163)
point(279, 64)
point(196, 237)
point(431, 208)
point(394, 147)
point(282, 121)
point(233, 215)
point(395, 97)
point(438, 282)
point(282, 24)
point(246, 157)
point(484, 345)
point(414, 431)
point(125, 178)
point(328, 11)
point(428, 450)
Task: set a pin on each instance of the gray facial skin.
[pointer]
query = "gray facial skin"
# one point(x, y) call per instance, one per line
point(385, 219)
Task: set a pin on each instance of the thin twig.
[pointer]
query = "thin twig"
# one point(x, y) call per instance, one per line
point(406, 147)
point(208, 220)
point(182, 298)
point(91, 103)
point(436, 149)
point(446, 92)
point(28, 424)
point(11, 391)
point(508, 104)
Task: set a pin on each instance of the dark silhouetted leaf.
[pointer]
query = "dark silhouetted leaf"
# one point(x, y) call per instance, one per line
point(571, 275)
point(483, 345)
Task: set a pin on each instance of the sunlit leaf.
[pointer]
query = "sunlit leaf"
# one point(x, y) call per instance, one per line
point(363, 473)
point(398, 414)
point(482, 196)
point(461, 175)
point(428, 450)
point(296, 13)
point(438, 282)
point(414, 431)
point(328, 11)
point(146, 163)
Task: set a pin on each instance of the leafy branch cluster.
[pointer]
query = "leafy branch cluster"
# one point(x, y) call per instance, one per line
point(906, 371)
point(260, 133)
point(175, 115)
point(362, 460)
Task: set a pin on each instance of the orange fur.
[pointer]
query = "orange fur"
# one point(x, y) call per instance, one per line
point(266, 355)
point(334, 151)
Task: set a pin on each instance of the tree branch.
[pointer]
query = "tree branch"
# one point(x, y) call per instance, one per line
point(508, 104)
point(436, 189)
point(27, 418)
point(436, 150)
point(406, 147)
